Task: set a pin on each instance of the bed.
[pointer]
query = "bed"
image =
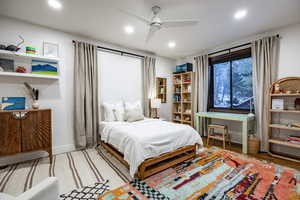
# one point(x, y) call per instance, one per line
point(150, 145)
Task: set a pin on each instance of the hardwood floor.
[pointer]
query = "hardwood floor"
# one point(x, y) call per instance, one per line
point(260, 156)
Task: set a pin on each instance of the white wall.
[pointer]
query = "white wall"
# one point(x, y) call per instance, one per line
point(288, 62)
point(57, 95)
point(164, 69)
point(120, 78)
point(126, 82)
point(289, 51)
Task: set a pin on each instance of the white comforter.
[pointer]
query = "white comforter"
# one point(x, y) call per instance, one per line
point(148, 138)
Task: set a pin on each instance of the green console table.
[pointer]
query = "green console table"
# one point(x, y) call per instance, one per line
point(244, 118)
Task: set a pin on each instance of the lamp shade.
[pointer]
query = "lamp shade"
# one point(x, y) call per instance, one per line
point(155, 103)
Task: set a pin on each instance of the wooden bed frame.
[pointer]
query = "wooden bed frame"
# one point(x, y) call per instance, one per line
point(156, 164)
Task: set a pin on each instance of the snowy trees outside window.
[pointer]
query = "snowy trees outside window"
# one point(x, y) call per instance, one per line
point(232, 84)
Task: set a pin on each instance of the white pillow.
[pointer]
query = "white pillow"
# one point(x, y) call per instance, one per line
point(132, 106)
point(133, 115)
point(119, 111)
point(109, 114)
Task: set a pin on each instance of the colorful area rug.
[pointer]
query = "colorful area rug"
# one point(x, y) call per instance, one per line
point(215, 175)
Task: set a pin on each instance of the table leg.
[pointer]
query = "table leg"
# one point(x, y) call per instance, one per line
point(197, 118)
point(245, 136)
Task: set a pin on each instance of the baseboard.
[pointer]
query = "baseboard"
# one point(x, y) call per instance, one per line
point(7, 160)
point(64, 149)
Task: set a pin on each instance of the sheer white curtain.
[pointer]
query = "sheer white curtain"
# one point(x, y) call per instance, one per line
point(200, 85)
point(265, 66)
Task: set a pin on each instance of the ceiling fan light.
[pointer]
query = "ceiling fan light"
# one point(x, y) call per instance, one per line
point(240, 14)
point(129, 29)
point(55, 4)
point(172, 44)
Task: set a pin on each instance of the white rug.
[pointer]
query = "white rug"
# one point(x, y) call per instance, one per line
point(74, 170)
point(115, 164)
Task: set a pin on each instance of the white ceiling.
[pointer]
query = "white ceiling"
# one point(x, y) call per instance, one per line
point(103, 20)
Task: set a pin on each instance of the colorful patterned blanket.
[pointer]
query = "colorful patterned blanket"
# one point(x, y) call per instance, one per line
point(215, 175)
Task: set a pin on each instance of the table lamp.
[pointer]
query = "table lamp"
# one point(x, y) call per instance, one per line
point(155, 105)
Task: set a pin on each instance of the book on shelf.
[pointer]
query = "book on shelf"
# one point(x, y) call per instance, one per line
point(295, 139)
point(293, 142)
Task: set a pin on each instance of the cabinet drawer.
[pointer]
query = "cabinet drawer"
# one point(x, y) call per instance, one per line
point(10, 134)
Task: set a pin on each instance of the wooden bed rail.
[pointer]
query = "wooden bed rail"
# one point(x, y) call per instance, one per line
point(156, 164)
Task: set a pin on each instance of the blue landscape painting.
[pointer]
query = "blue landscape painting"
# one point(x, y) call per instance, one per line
point(44, 67)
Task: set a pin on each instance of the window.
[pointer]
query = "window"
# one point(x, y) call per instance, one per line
point(231, 81)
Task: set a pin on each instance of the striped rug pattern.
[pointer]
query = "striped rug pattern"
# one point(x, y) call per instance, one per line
point(74, 170)
point(115, 164)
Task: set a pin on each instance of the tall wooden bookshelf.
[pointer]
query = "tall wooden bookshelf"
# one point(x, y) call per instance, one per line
point(161, 89)
point(182, 98)
point(290, 88)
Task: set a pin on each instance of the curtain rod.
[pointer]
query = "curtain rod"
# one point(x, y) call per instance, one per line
point(235, 47)
point(118, 51)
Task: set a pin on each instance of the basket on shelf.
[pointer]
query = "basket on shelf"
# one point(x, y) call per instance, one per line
point(253, 145)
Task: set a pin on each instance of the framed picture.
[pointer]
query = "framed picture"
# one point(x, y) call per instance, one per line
point(50, 49)
point(7, 65)
point(44, 67)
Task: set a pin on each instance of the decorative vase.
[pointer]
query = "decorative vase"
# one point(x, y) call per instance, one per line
point(35, 104)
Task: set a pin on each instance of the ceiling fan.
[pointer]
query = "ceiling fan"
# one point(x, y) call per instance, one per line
point(155, 24)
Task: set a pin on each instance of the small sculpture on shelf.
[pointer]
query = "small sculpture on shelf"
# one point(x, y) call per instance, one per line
point(277, 89)
point(11, 47)
point(34, 93)
point(21, 69)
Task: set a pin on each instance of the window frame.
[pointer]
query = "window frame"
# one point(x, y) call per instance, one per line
point(227, 57)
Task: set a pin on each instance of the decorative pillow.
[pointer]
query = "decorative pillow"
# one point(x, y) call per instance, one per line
point(119, 111)
point(133, 106)
point(109, 114)
point(133, 115)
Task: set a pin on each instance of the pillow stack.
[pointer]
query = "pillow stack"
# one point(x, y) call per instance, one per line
point(130, 112)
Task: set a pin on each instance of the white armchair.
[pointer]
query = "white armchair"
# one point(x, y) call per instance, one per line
point(46, 190)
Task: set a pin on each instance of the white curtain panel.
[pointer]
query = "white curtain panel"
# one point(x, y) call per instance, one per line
point(148, 83)
point(265, 53)
point(86, 94)
point(200, 86)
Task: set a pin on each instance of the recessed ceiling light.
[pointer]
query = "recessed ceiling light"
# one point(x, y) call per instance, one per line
point(240, 14)
point(172, 44)
point(56, 4)
point(129, 29)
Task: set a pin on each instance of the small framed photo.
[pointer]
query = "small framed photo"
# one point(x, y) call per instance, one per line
point(277, 104)
point(51, 50)
point(6, 65)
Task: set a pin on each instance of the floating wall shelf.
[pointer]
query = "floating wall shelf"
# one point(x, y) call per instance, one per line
point(26, 59)
point(29, 56)
point(28, 75)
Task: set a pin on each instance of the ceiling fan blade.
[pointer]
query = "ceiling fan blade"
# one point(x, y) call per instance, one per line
point(179, 23)
point(151, 33)
point(142, 19)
